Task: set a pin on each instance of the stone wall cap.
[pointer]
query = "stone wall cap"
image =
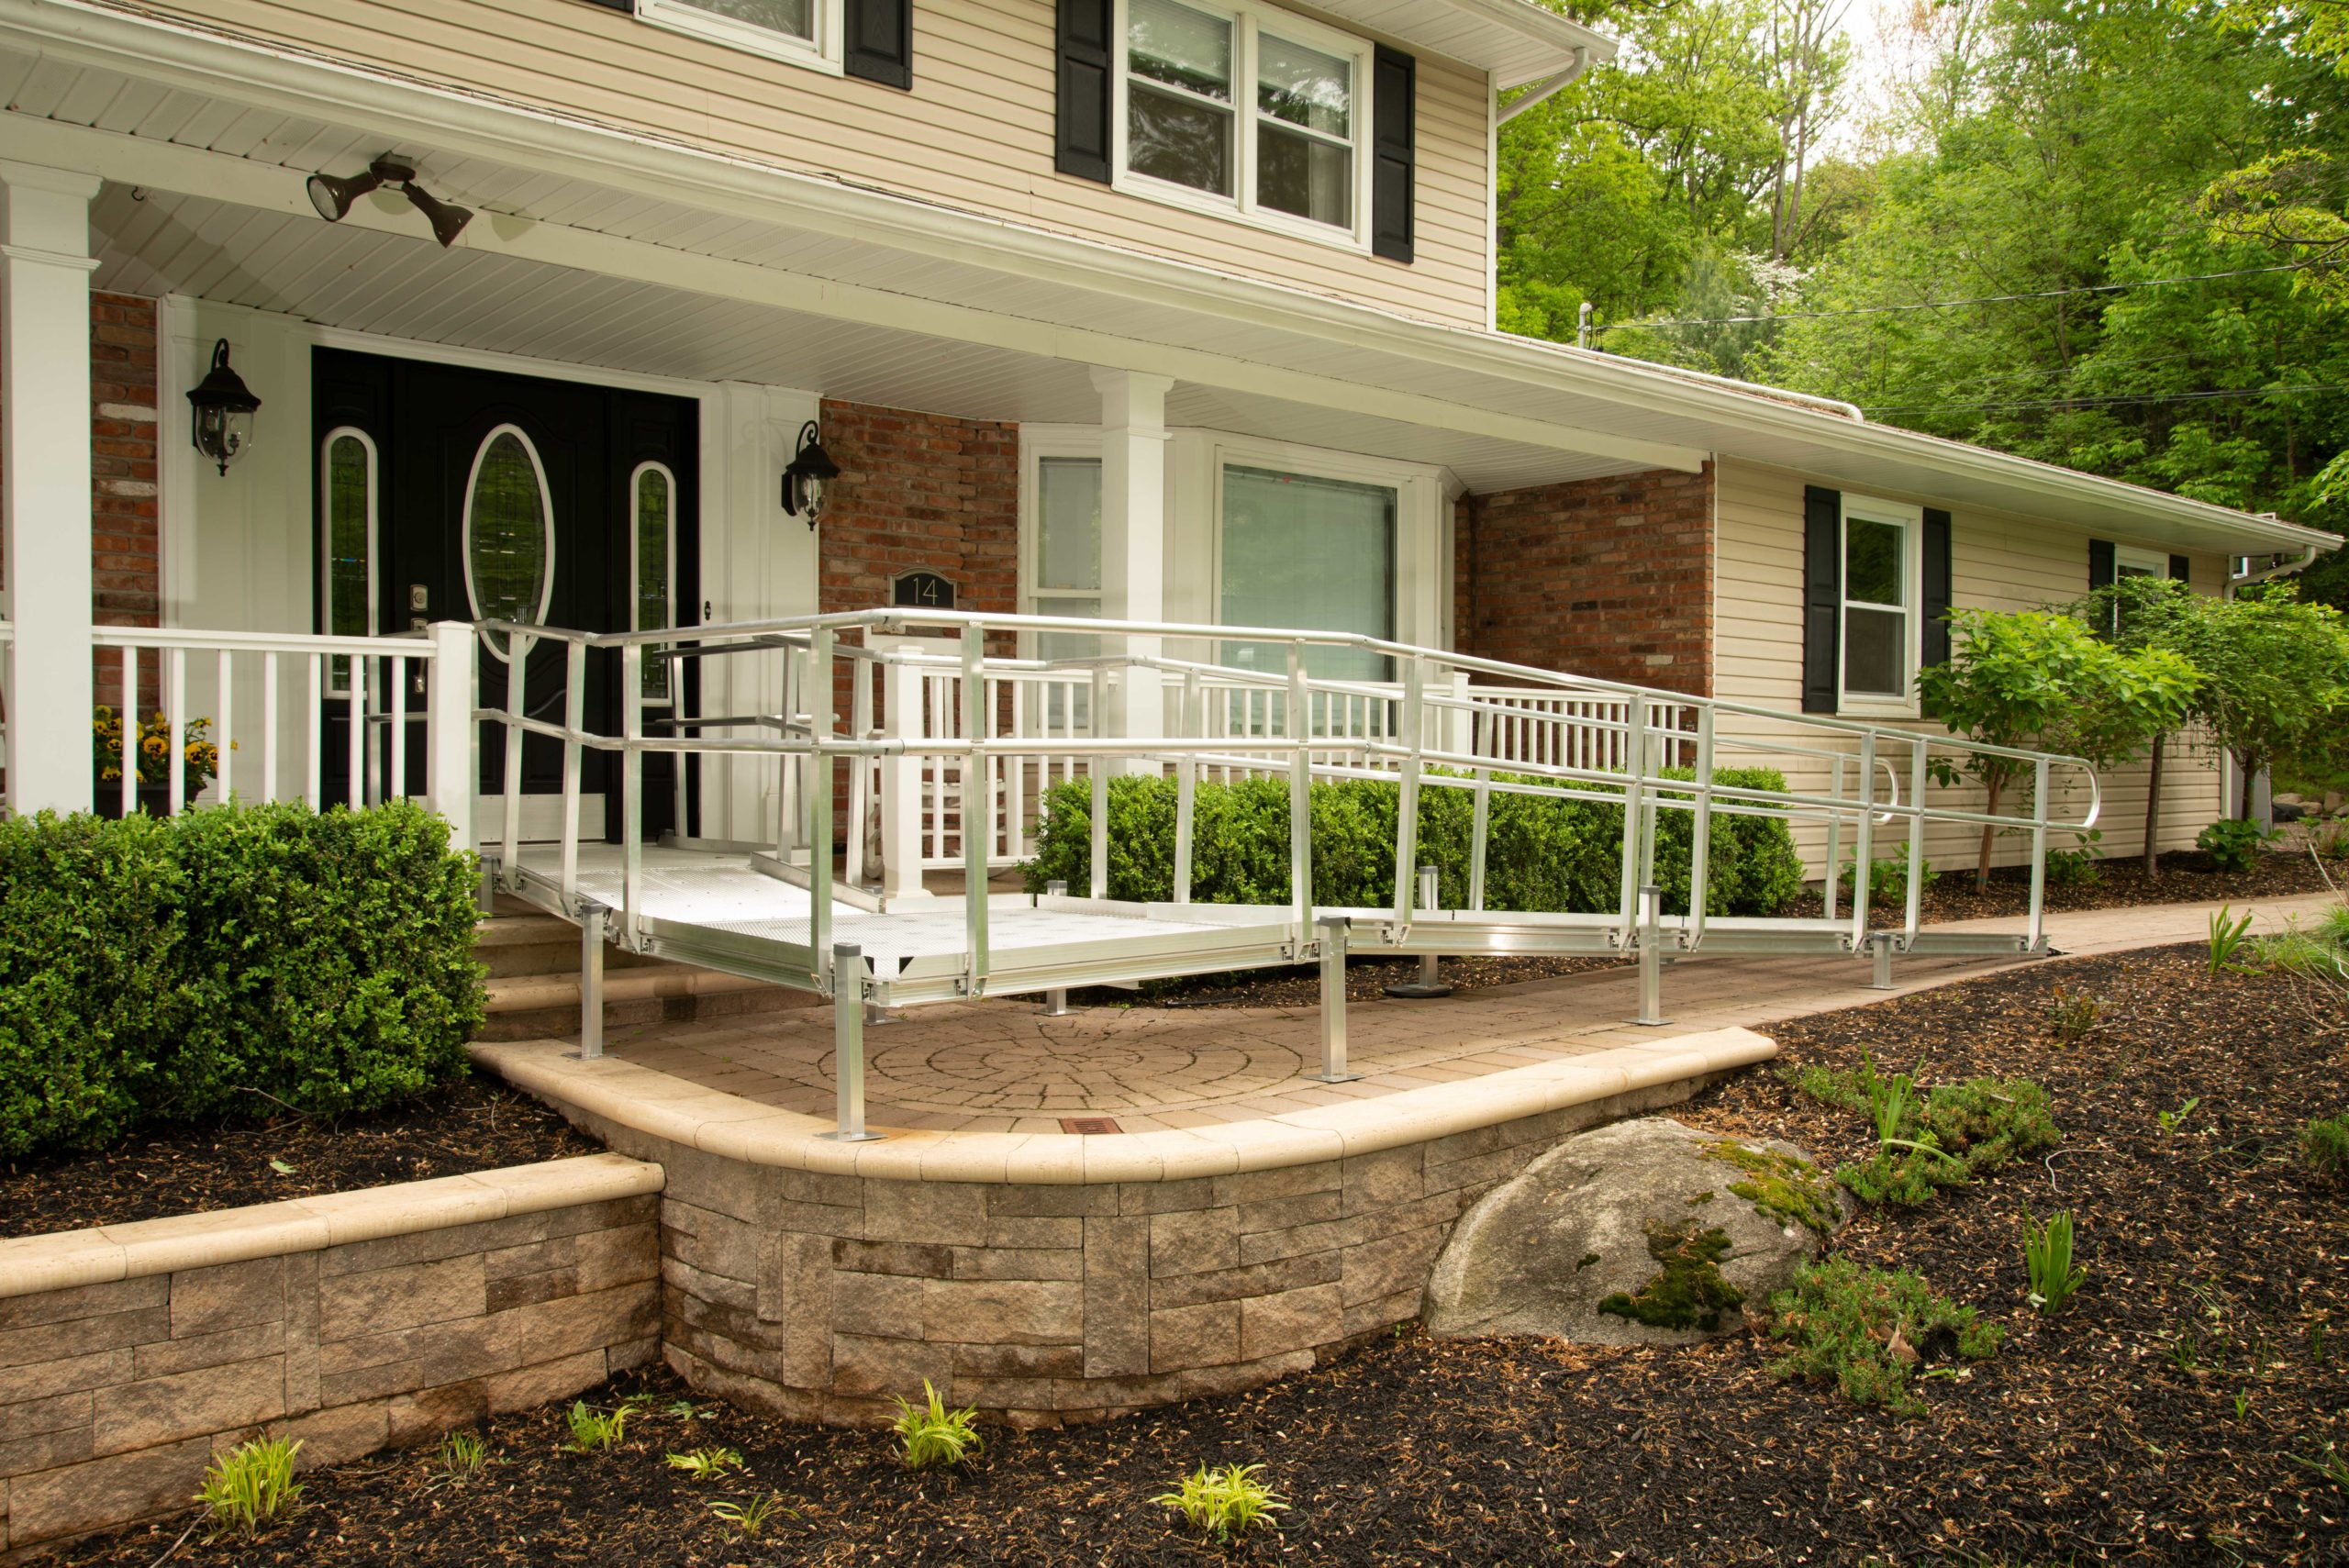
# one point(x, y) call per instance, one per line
point(63, 1259)
point(731, 1127)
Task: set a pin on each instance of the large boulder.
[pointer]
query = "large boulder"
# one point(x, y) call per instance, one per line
point(1642, 1232)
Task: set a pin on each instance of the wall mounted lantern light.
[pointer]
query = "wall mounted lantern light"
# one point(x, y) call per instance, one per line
point(333, 195)
point(811, 469)
point(224, 408)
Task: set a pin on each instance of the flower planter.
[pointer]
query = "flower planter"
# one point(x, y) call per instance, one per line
point(155, 800)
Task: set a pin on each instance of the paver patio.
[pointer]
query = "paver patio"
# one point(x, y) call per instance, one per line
point(1002, 1066)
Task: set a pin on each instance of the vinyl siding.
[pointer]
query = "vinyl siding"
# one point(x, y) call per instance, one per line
point(1998, 561)
point(975, 133)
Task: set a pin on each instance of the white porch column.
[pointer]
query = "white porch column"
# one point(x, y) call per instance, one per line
point(45, 266)
point(1133, 531)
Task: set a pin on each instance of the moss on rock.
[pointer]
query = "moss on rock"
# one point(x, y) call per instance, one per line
point(1781, 1187)
point(1688, 1291)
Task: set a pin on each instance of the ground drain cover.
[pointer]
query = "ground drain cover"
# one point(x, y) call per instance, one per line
point(1090, 1124)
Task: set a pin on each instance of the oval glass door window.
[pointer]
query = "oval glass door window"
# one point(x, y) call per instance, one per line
point(510, 533)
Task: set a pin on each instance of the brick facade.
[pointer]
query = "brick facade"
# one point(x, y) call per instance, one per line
point(1611, 578)
point(919, 491)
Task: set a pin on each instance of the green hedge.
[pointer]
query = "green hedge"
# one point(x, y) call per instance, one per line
point(159, 968)
point(1542, 853)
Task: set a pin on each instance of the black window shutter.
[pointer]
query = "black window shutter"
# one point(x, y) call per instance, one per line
point(1822, 598)
point(2181, 570)
point(1938, 594)
point(1084, 118)
point(880, 41)
point(2101, 571)
point(1395, 169)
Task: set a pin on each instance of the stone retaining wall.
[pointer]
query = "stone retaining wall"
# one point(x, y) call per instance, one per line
point(130, 1354)
point(820, 1297)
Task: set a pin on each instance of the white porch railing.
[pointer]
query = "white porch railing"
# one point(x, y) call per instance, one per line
point(289, 718)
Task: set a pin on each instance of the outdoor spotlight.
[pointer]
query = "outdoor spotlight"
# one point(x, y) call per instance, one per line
point(334, 195)
point(803, 482)
point(224, 408)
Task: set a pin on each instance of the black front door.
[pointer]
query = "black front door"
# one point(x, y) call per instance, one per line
point(519, 498)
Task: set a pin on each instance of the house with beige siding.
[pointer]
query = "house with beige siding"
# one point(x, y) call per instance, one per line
point(1145, 311)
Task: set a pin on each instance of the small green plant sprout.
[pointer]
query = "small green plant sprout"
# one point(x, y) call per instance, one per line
point(2186, 1350)
point(707, 1464)
point(2232, 844)
point(250, 1485)
point(2047, 1256)
point(2330, 1462)
point(1224, 1501)
point(593, 1431)
point(2228, 938)
point(933, 1436)
point(464, 1455)
point(2325, 1142)
point(2316, 1342)
point(753, 1514)
point(2174, 1122)
point(2074, 1016)
point(2243, 1404)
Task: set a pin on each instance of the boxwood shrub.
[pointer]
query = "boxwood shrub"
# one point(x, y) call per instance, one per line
point(1541, 854)
point(177, 968)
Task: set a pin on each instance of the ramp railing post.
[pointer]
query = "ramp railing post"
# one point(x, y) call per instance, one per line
point(591, 980)
point(1431, 979)
point(1333, 1001)
point(1651, 956)
point(1300, 793)
point(2038, 853)
point(1864, 842)
point(450, 775)
point(1880, 960)
point(1834, 838)
point(847, 1045)
point(1056, 999)
point(1917, 771)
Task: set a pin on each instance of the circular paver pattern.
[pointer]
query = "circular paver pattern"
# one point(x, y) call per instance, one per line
point(1070, 1069)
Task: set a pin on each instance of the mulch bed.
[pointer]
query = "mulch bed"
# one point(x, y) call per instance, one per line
point(472, 1125)
point(2091, 1437)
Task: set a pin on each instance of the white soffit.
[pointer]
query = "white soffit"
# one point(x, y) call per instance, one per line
point(1517, 40)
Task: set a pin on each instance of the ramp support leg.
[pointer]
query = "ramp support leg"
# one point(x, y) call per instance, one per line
point(1056, 999)
point(1333, 1001)
point(1430, 978)
point(1880, 956)
point(591, 980)
point(1651, 958)
point(848, 1044)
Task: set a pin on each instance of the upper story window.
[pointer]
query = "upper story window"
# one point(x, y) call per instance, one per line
point(1248, 112)
point(806, 32)
point(1881, 560)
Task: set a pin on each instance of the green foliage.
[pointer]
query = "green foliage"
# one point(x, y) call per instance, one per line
point(176, 968)
point(2275, 671)
point(1781, 1187)
point(753, 1514)
point(2325, 1142)
point(933, 1436)
point(705, 1463)
point(2172, 1123)
point(592, 1431)
point(250, 1485)
point(2038, 679)
point(2232, 844)
point(463, 1453)
point(1947, 1137)
point(2047, 1258)
point(2074, 1016)
point(1224, 1501)
point(1865, 1328)
point(1888, 882)
point(2228, 935)
point(1687, 1290)
point(1542, 853)
point(2077, 867)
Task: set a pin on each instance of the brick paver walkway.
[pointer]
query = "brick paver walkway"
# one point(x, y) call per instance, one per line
point(1002, 1066)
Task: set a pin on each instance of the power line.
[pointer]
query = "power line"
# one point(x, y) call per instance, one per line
point(2098, 402)
point(1948, 303)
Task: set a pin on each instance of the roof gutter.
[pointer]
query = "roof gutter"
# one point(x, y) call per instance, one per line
point(2236, 580)
point(1541, 92)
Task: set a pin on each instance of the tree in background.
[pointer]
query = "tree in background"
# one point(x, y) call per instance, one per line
point(2040, 680)
point(2137, 613)
point(2275, 673)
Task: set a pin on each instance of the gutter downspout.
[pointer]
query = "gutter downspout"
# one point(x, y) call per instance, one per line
point(1547, 88)
point(2269, 574)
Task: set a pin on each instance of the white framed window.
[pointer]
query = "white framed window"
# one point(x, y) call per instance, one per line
point(1313, 550)
point(2128, 561)
point(805, 32)
point(348, 484)
point(652, 567)
point(1882, 588)
point(509, 533)
point(1246, 112)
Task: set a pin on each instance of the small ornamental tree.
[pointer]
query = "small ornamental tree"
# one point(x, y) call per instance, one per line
point(2038, 679)
point(2276, 674)
point(2135, 614)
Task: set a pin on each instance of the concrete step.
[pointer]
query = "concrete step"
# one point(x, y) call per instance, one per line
point(533, 985)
